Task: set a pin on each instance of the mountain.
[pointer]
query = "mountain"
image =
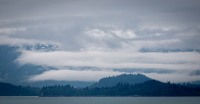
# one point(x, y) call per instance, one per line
point(157, 88)
point(12, 72)
point(7, 89)
point(148, 88)
point(124, 78)
point(194, 82)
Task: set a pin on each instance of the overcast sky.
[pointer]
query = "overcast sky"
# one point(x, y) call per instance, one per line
point(108, 35)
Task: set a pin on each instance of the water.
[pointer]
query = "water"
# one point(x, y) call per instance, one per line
point(99, 100)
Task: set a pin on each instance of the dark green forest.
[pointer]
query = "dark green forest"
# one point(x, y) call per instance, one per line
point(7, 89)
point(148, 88)
point(123, 78)
point(122, 85)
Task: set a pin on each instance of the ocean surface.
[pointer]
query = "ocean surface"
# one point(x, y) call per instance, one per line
point(99, 100)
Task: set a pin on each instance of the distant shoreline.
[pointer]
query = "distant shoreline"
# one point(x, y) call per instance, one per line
point(98, 96)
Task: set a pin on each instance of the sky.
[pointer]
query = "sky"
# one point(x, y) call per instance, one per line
point(158, 38)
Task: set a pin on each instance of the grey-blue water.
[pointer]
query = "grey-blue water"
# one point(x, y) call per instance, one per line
point(99, 100)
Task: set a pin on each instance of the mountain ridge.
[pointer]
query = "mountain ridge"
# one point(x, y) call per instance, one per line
point(147, 88)
point(123, 78)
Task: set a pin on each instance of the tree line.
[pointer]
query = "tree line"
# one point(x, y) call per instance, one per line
point(148, 88)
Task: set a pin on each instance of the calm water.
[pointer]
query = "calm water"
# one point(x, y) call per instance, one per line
point(99, 100)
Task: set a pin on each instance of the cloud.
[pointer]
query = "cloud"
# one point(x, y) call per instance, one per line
point(5, 31)
point(22, 43)
point(95, 75)
point(195, 73)
point(124, 34)
point(145, 70)
point(175, 61)
point(163, 38)
point(72, 75)
point(97, 33)
point(106, 33)
point(173, 77)
point(81, 25)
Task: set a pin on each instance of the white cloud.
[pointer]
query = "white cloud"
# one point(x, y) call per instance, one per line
point(152, 27)
point(111, 33)
point(127, 34)
point(154, 44)
point(8, 31)
point(72, 75)
point(136, 38)
point(97, 33)
point(5, 40)
point(175, 61)
point(173, 77)
point(15, 41)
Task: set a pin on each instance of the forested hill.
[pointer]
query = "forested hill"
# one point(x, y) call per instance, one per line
point(148, 88)
point(124, 78)
point(7, 89)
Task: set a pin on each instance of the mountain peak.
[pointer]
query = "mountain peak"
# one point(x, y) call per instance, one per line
point(123, 78)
